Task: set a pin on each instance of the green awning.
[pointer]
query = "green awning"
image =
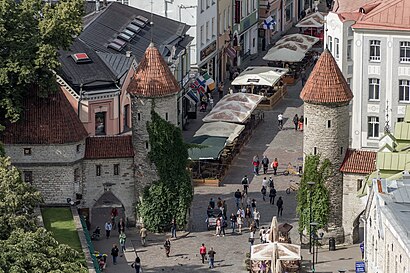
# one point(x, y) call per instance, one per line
point(393, 161)
point(212, 149)
point(402, 131)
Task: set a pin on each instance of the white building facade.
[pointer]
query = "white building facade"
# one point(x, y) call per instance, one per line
point(374, 57)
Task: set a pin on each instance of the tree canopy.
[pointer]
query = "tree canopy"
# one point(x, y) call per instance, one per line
point(24, 246)
point(172, 194)
point(315, 170)
point(31, 32)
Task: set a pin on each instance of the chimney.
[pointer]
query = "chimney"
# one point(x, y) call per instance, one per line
point(97, 5)
point(128, 54)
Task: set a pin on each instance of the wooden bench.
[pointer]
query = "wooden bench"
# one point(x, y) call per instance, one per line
point(207, 182)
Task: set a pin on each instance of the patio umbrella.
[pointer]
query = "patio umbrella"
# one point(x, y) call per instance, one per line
point(260, 75)
point(287, 52)
point(299, 38)
point(314, 20)
point(273, 234)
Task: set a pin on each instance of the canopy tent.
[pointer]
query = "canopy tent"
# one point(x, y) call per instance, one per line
point(235, 108)
point(220, 129)
point(260, 75)
point(299, 38)
point(212, 147)
point(314, 20)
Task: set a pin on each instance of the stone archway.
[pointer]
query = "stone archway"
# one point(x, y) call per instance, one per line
point(358, 229)
point(101, 211)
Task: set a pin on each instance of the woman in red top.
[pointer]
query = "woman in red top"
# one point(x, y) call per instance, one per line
point(202, 251)
point(275, 165)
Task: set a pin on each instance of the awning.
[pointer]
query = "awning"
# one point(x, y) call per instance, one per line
point(260, 75)
point(314, 20)
point(220, 129)
point(306, 40)
point(212, 149)
point(282, 251)
point(231, 52)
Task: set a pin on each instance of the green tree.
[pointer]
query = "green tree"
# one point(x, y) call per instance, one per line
point(17, 200)
point(172, 194)
point(318, 171)
point(38, 251)
point(31, 32)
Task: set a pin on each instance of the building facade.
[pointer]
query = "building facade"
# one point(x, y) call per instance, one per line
point(226, 53)
point(366, 44)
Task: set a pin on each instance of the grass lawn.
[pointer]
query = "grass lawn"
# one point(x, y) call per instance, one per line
point(60, 222)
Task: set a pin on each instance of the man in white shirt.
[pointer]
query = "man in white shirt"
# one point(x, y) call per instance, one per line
point(280, 121)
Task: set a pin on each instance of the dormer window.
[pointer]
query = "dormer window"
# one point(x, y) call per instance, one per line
point(81, 58)
point(27, 151)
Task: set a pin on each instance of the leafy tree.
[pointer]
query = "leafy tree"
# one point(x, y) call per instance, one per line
point(172, 194)
point(38, 251)
point(17, 200)
point(316, 171)
point(31, 32)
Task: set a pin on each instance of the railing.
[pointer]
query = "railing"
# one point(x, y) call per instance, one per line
point(90, 245)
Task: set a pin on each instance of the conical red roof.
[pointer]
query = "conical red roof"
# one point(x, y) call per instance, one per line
point(326, 83)
point(153, 78)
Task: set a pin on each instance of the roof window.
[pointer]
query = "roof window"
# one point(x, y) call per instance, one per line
point(138, 23)
point(81, 58)
point(142, 19)
point(133, 28)
point(115, 46)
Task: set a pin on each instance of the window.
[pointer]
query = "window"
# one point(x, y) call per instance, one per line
point(98, 170)
point(208, 3)
point(221, 25)
point(349, 49)
point(314, 151)
point(373, 127)
point(305, 121)
point(146, 145)
point(374, 89)
point(77, 175)
point(202, 5)
point(237, 11)
point(116, 169)
point(229, 17)
point(359, 184)
point(27, 151)
point(207, 31)
point(28, 177)
point(289, 10)
point(400, 119)
point(404, 90)
point(341, 150)
point(213, 27)
point(243, 9)
point(139, 116)
point(350, 31)
point(330, 43)
point(349, 82)
point(126, 115)
point(404, 52)
point(78, 148)
point(100, 123)
point(166, 116)
point(329, 123)
point(375, 50)
point(336, 48)
point(249, 9)
point(201, 35)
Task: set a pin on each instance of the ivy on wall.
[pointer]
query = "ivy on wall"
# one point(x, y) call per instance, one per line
point(317, 171)
point(171, 196)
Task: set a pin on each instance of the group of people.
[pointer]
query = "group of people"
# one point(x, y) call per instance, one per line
point(298, 122)
point(256, 163)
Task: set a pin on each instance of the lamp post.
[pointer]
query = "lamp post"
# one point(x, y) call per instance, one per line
point(313, 226)
point(310, 184)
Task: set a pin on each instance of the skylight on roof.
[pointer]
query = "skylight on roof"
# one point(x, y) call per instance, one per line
point(138, 23)
point(129, 33)
point(142, 19)
point(80, 58)
point(124, 37)
point(115, 46)
point(119, 42)
point(133, 28)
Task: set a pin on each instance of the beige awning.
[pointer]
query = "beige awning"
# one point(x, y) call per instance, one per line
point(260, 75)
point(220, 129)
point(315, 20)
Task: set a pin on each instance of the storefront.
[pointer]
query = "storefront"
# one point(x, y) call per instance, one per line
point(207, 61)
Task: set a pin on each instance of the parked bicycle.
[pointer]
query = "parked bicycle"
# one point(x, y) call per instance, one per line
point(293, 186)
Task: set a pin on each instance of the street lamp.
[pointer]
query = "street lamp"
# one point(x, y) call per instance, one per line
point(311, 184)
point(313, 226)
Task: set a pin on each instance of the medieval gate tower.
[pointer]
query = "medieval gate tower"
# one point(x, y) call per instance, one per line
point(152, 87)
point(326, 98)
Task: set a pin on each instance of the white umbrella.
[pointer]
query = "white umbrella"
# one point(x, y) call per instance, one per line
point(299, 38)
point(287, 52)
point(260, 75)
point(314, 20)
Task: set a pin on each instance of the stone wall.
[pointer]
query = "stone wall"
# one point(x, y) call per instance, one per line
point(326, 131)
point(121, 185)
point(353, 206)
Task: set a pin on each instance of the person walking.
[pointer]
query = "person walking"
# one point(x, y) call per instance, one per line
point(114, 253)
point(239, 220)
point(211, 256)
point(272, 195)
point(114, 216)
point(143, 235)
point(275, 165)
point(218, 227)
point(255, 163)
point(212, 203)
point(173, 228)
point(253, 204)
point(233, 222)
point(256, 217)
point(263, 191)
point(202, 252)
point(121, 226)
point(108, 228)
point(270, 181)
point(221, 90)
point(300, 123)
point(137, 264)
point(248, 216)
point(303, 76)
point(167, 246)
point(238, 197)
point(251, 236)
point(265, 164)
point(261, 231)
point(122, 239)
point(245, 184)
point(296, 121)
point(279, 203)
point(280, 121)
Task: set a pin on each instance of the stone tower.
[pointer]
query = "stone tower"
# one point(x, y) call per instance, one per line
point(151, 87)
point(326, 98)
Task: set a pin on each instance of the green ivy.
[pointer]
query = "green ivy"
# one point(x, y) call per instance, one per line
point(316, 171)
point(170, 196)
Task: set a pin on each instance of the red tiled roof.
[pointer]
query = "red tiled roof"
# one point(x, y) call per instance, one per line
point(357, 161)
point(108, 147)
point(350, 5)
point(326, 83)
point(389, 15)
point(153, 78)
point(49, 120)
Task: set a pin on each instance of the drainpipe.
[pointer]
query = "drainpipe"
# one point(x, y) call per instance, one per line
point(79, 101)
point(119, 108)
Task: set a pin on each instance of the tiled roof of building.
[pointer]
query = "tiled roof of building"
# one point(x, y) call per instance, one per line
point(108, 147)
point(153, 78)
point(389, 15)
point(357, 161)
point(350, 5)
point(49, 120)
point(326, 83)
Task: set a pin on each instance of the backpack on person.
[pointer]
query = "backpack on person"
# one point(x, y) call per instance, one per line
point(271, 183)
point(263, 190)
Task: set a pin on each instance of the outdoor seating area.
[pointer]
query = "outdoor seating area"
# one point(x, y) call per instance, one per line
point(313, 25)
point(226, 129)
